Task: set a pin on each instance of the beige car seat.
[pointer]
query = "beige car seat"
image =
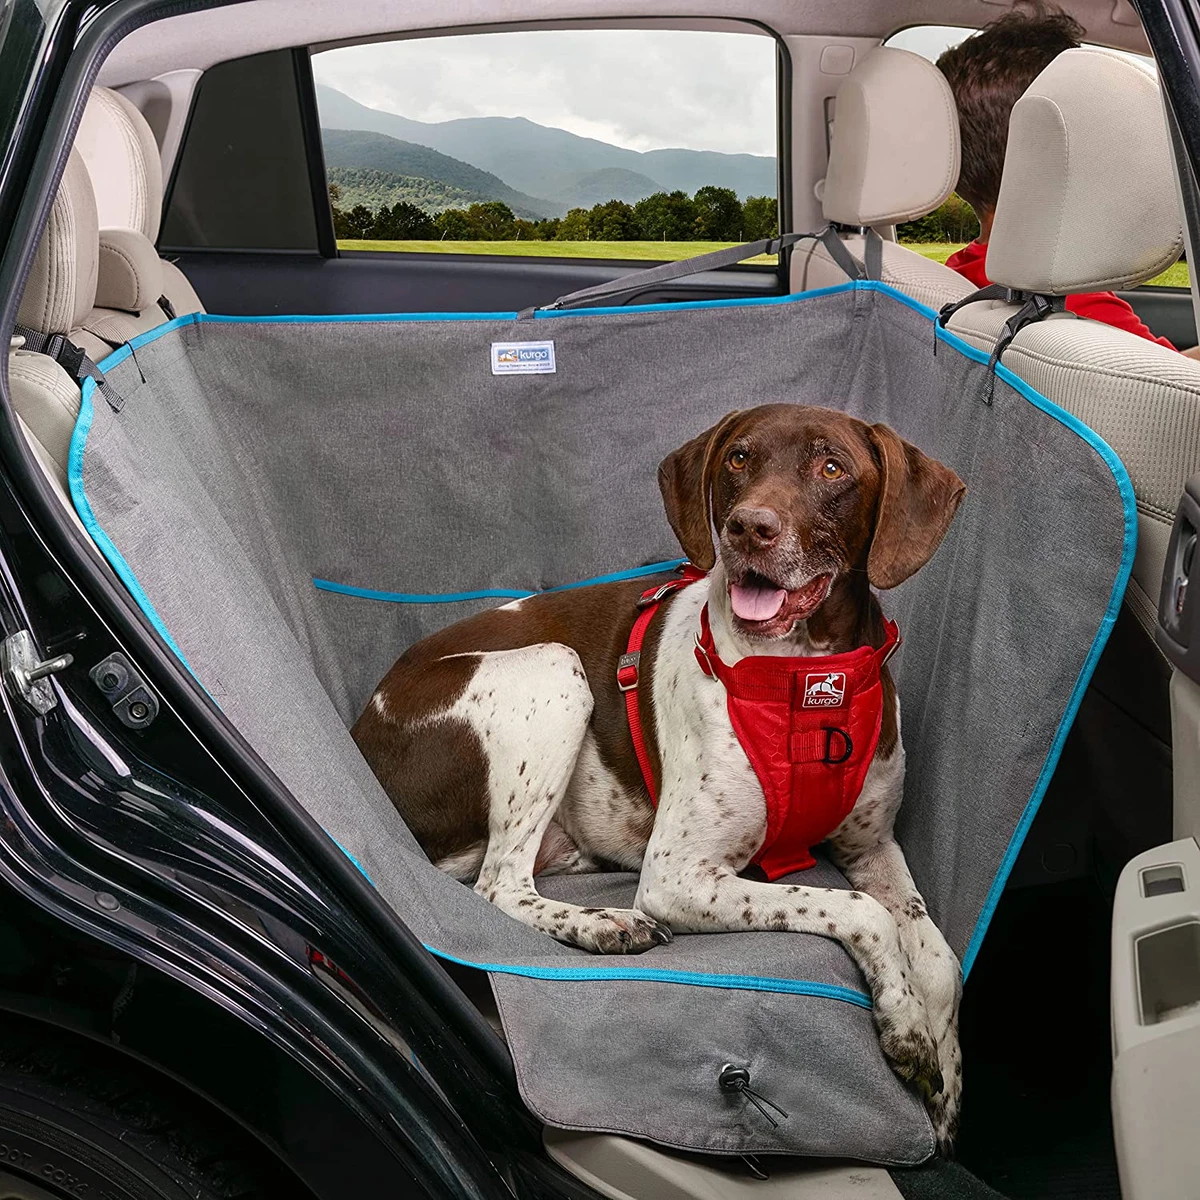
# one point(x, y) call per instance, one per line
point(893, 157)
point(122, 159)
point(84, 294)
point(1103, 216)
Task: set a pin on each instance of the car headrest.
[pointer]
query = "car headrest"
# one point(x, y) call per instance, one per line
point(131, 273)
point(894, 149)
point(1088, 199)
point(61, 287)
point(123, 161)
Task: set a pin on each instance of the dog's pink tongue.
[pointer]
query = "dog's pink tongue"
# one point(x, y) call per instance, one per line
point(756, 603)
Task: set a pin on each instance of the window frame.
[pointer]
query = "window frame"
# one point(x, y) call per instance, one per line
point(318, 177)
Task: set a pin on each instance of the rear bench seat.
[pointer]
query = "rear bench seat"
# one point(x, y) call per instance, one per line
point(97, 278)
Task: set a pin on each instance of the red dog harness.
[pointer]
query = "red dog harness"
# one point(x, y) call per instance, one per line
point(809, 727)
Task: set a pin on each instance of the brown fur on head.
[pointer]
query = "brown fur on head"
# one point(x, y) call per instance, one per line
point(804, 501)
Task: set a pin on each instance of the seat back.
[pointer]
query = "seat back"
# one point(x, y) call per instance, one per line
point(1102, 216)
point(893, 157)
point(122, 159)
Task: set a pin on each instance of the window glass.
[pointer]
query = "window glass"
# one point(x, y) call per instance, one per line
point(942, 233)
point(243, 179)
point(602, 143)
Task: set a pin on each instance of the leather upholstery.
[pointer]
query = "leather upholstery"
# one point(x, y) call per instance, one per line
point(893, 156)
point(894, 150)
point(123, 161)
point(131, 275)
point(61, 287)
point(1088, 201)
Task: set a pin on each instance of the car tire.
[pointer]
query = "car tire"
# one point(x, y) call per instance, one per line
point(79, 1121)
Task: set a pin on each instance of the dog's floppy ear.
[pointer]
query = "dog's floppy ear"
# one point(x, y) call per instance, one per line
point(917, 501)
point(685, 480)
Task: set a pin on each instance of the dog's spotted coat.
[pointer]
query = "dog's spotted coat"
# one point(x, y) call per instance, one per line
point(503, 739)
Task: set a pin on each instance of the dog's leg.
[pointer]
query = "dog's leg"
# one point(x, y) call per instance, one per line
point(530, 710)
point(706, 832)
point(871, 859)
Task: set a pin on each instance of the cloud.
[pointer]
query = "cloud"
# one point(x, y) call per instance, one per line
point(643, 89)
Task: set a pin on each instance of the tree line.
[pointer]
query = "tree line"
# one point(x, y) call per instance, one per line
point(713, 214)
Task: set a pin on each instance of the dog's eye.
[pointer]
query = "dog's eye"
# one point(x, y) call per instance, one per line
point(737, 460)
point(832, 469)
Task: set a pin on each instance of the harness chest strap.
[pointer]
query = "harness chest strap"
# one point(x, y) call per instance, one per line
point(809, 727)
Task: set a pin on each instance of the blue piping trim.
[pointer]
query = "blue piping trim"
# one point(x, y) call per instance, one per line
point(123, 352)
point(361, 869)
point(345, 589)
point(1129, 547)
point(1105, 452)
point(79, 435)
point(742, 983)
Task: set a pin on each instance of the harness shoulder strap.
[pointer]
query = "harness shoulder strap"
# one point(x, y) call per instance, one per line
point(629, 664)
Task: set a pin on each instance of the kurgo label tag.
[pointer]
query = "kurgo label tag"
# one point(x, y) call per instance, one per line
point(523, 358)
point(824, 690)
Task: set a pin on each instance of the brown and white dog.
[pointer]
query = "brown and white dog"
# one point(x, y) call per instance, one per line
point(504, 742)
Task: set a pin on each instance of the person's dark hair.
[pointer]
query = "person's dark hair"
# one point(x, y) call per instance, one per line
point(987, 74)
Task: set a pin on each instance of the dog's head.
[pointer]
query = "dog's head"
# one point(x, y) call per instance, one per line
point(804, 500)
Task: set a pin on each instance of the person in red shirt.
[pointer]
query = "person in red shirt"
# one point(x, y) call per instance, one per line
point(988, 74)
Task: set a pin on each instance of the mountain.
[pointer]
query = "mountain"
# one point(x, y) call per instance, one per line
point(609, 183)
point(381, 153)
point(543, 161)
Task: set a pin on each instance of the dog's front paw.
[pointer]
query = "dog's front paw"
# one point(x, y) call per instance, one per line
point(944, 1108)
point(943, 1113)
point(908, 1044)
point(613, 931)
point(913, 1056)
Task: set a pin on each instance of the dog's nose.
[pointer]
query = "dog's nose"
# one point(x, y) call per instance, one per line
point(755, 527)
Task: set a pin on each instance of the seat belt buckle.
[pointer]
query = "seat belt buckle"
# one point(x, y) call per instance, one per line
point(627, 671)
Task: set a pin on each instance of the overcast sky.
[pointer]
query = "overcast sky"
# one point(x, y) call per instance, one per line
point(643, 89)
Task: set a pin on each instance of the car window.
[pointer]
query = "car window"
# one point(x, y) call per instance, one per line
point(243, 180)
point(943, 232)
point(601, 143)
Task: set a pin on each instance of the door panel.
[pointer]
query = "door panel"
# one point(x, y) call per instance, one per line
point(247, 284)
point(1168, 312)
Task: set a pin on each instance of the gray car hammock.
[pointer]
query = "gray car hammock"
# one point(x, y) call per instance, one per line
point(294, 500)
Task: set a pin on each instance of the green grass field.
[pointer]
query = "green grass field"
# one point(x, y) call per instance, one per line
point(1173, 276)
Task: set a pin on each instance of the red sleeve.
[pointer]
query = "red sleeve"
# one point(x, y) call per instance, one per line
point(1112, 310)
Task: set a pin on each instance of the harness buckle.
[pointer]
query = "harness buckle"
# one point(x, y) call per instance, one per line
point(627, 671)
point(703, 659)
point(659, 593)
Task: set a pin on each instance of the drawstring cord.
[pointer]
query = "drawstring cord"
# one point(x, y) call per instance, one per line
point(737, 1080)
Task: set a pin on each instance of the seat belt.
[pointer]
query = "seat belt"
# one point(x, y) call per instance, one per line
point(72, 358)
point(637, 281)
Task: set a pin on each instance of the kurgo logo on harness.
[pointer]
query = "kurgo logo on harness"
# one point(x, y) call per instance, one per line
point(810, 734)
point(824, 690)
